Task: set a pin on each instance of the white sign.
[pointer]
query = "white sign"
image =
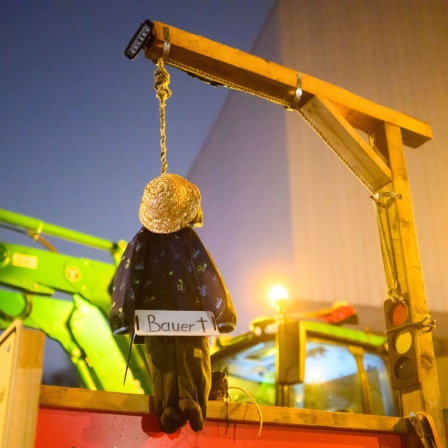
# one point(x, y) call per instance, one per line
point(175, 323)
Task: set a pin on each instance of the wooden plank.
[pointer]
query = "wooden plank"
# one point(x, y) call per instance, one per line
point(217, 62)
point(21, 357)
point(133, 404)
point(398, 218)
point(365, 115)
point(95, 400)
point(239, 70)
point(368, 166)
point(8, 359)
point(273, 415)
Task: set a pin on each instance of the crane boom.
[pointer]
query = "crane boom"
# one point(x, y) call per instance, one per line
point(338, 116)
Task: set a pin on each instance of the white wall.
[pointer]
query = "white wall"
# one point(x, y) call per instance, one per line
point(278, 204)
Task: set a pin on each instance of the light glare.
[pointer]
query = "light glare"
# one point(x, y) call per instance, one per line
point(278, 292)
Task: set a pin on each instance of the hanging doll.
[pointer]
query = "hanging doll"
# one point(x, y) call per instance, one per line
point(166, 267)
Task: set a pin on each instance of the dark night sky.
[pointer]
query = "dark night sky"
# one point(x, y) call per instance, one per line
point(79, 122)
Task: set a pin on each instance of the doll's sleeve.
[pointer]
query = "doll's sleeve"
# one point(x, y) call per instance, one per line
point(125, 287)
point(212, 290)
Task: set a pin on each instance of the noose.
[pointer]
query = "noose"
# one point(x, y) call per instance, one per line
point(161, 82)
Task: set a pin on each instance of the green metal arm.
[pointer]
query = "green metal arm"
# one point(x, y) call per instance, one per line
point(34, 282)
point(35, 226)
point(84, 334)
point(39, 271)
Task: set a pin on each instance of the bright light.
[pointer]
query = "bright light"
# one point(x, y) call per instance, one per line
point(314, 375)
point(278, 297)
point(278, 292)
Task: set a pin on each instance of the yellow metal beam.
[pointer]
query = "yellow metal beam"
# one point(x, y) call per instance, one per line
point(239, 70)
point(332, 126)
point(404, 273)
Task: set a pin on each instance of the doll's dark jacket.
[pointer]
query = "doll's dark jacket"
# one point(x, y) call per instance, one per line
point(171, 271)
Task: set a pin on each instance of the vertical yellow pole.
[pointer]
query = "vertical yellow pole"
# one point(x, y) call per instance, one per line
point(401, 243)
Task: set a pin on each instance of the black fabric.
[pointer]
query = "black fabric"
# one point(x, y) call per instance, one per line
point(219, 390)
point(181, 373)
point(168, 272)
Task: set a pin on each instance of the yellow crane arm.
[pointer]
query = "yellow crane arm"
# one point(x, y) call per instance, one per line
point(233, 68)
point(336, 114)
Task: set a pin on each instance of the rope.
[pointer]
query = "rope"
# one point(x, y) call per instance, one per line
point(256, 405)
point(161, 82)
point(427, 324)
point(394, 293)
point(393, 290)
point(335, 150)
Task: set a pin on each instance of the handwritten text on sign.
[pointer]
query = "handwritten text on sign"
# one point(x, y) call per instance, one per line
point(175, 323)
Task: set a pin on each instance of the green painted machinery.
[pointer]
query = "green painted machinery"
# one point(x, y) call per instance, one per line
point(69, 299)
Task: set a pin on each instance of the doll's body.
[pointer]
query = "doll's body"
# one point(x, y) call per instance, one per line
point(173, 272)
